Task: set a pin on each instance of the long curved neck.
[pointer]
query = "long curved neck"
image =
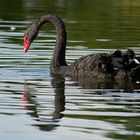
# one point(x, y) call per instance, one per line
point(58, 58)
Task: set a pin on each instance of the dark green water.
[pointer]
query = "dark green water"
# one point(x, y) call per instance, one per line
point(34, 105)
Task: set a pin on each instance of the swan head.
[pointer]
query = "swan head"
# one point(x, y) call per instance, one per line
point(30, 34)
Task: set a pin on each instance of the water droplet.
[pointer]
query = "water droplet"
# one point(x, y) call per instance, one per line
point(13, 28)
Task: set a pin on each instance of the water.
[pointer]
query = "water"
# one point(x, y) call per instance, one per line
point(35, 105)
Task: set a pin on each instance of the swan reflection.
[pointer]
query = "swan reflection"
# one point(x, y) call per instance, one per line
point(30, 103)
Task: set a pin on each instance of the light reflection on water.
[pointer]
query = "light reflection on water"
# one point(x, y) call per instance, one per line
point(35, 105)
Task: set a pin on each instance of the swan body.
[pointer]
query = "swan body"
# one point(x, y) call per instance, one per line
point(100, 66)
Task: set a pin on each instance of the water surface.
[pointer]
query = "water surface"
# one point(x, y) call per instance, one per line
point(35, 105)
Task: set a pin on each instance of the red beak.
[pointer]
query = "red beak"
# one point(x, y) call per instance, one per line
point(26, 44)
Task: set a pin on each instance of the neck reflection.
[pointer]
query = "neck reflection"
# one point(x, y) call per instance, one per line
point(30, 103)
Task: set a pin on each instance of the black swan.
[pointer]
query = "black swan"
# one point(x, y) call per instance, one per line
point(100, 66)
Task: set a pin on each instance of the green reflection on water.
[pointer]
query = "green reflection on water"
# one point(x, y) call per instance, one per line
point(99, 24)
